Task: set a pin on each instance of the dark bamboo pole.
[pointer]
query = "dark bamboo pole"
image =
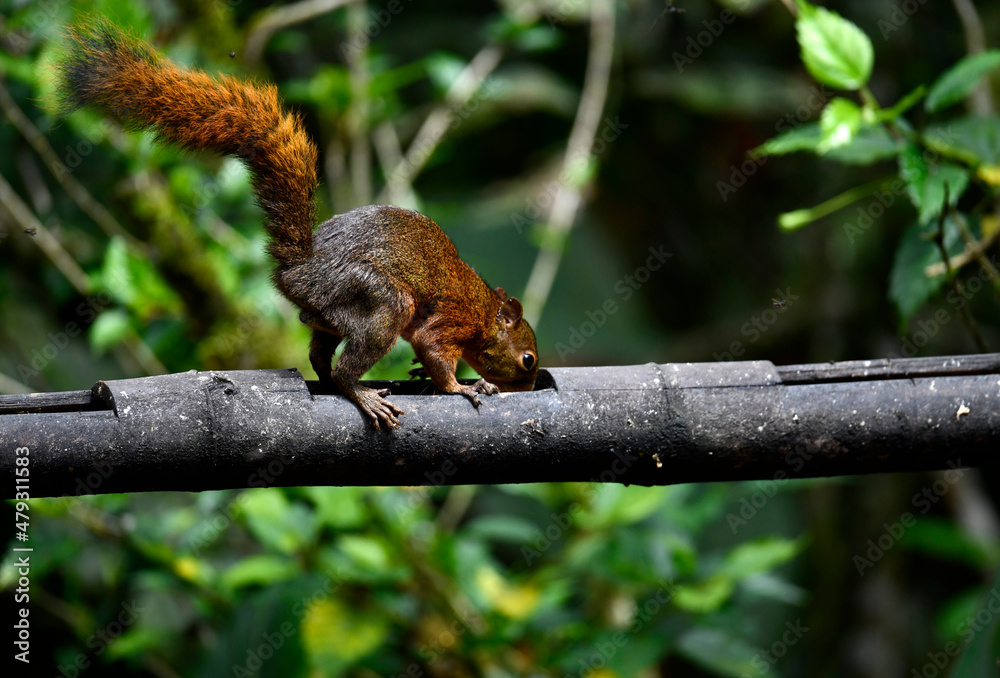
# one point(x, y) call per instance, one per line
point(645, 424)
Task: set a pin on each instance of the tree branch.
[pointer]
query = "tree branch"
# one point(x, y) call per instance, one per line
point(577, 173)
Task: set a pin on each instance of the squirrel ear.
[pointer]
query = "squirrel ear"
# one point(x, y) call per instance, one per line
point(501, 292)
point(511, 312)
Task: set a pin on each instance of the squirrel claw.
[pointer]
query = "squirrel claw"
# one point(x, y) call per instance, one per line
point(481, 386)
point(417, 372)
point(373, 403)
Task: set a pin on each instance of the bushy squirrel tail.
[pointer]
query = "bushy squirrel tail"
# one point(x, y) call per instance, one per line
point(124, 78)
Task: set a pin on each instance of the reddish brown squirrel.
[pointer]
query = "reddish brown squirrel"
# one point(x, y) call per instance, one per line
point(365, 277)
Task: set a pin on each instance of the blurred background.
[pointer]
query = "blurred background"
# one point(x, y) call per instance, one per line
point(122, 258)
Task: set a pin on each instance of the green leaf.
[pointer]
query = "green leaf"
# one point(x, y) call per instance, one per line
point(135, 281)
point(339, 507)
point(804, 138)
point(329, 87)
point(335, 635)
point(958, 81)
point(760, 555)
point(279, 524)
point(948, 541)
point(620, 505)
point(948, 620)
point(136, 642)
point(259, 569)
point(870, 145)
point(768, 586)
point(705, 596)
point(838, 124)
point(834, 50)
point(928, 183)
point(982, 641)
point(109, 329)
point(973, 139)
point(718, 651)
point(368, 552)
point(507, 528)
point(443, 69)
point(909, 287)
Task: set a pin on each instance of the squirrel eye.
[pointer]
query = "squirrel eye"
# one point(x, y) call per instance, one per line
point(527, 360)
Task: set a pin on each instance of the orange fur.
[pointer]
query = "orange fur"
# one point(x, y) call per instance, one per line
point(119, 75)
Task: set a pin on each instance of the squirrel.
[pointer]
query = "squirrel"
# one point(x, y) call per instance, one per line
point(365, 277)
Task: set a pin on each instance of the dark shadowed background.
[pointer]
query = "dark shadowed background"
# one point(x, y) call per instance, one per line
point(122, 258)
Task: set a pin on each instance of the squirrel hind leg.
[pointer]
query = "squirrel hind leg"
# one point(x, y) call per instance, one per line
point(321, 349)
point(361, 353)
point(367, 340)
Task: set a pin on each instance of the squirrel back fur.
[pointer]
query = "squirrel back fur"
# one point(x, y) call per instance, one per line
point(121, 76)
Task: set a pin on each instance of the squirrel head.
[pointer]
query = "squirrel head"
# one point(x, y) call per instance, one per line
point(508, 356)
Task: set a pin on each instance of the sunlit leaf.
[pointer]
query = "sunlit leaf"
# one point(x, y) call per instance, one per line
point(869, 145)
point(804, 138)
point(620, 505)
point(760, 555)
point(835, 51)
point(339, 507)
point(705, 596)
point(262, 569)
point(109, 329)
point(513, 600)
point(275, 521)
point(334, 635)
point(839, 122)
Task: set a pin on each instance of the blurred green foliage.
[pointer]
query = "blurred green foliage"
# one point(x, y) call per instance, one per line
point(937, 165)
point(740, 579)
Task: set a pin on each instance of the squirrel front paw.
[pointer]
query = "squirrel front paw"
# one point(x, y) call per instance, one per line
point(481, 386)
point(373, 403)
